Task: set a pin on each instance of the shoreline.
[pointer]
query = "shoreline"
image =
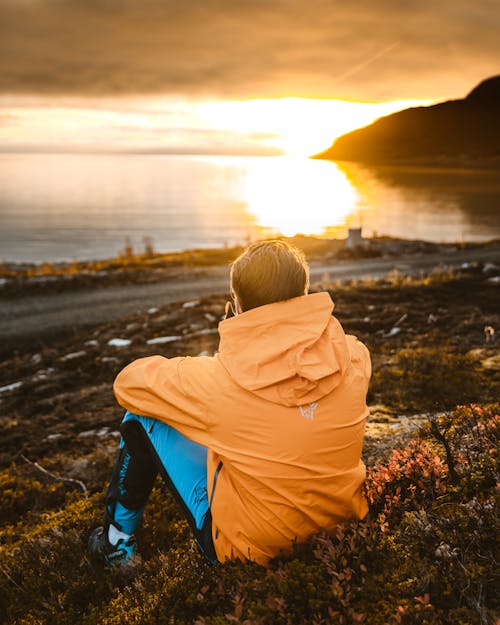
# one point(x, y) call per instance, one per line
point(437, 163)
point(316, 244)
point(35, 314)
point(126, 264)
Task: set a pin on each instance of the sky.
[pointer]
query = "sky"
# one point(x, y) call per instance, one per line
point(230, 75)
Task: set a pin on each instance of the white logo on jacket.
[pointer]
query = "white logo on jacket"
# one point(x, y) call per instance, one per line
point(308, 411)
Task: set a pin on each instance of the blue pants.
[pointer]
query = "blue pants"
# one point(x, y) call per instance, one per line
point(149, 447)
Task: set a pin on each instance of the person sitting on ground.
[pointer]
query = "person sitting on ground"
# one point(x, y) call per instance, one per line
point(261, 443)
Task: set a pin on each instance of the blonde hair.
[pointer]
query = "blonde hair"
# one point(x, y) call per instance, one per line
point(268, 272)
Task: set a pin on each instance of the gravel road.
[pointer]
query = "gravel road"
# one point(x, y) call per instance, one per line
point(39, 317)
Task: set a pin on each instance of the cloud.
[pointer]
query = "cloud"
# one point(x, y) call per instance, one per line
point(359, 50)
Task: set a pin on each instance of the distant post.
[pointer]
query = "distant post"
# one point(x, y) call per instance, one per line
point(354, 238)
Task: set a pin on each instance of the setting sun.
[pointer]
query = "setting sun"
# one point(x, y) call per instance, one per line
point(298, 126)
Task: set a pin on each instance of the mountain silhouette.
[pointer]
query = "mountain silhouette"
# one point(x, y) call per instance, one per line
point(456, 132)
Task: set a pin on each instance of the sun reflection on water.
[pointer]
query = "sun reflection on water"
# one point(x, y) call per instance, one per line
point(291, 195)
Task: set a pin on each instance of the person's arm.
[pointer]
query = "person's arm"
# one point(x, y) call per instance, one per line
point(359, 353)
point(173, 390)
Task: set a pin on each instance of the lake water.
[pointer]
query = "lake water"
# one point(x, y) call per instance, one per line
point(74, 206)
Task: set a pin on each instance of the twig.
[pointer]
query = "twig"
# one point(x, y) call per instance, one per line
point(400, 320)
point(68, 480)
point(450, 460)
point(10, 579)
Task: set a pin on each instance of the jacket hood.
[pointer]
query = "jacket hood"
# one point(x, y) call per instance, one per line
point(290, 353)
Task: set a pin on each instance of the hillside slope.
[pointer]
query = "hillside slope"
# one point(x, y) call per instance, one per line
point(458, 132)
point(425, 554)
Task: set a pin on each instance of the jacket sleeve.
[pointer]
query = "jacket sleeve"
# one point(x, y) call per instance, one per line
point(168, 389)
point(367, 361)
point(360, 354)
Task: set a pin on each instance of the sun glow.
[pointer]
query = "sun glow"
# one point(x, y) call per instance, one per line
point(291, 126)
point(291, 195)
point(298, 126)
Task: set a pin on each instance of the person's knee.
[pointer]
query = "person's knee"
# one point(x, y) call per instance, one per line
point(137, 440)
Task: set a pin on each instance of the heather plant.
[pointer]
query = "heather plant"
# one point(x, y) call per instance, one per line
point(425, 554)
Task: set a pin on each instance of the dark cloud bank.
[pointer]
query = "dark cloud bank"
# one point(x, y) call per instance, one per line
point(366, 50)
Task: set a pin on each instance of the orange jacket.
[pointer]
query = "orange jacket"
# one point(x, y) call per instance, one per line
point(282, 406)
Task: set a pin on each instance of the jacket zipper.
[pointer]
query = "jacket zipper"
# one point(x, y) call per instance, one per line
point(216, 475)
point(214, 483)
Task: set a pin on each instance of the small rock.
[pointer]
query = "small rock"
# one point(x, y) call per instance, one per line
point(192, 304)
point(119, 342)
point(204, 332)
point(91, 343)
point(163, 339)
point(87, 434)
point(152, 311)
point(210, 317)
point(73, 356)
point(491, 268)
point(54, 437)
point(392, 332)
point(10, 387)
point(43, 374)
